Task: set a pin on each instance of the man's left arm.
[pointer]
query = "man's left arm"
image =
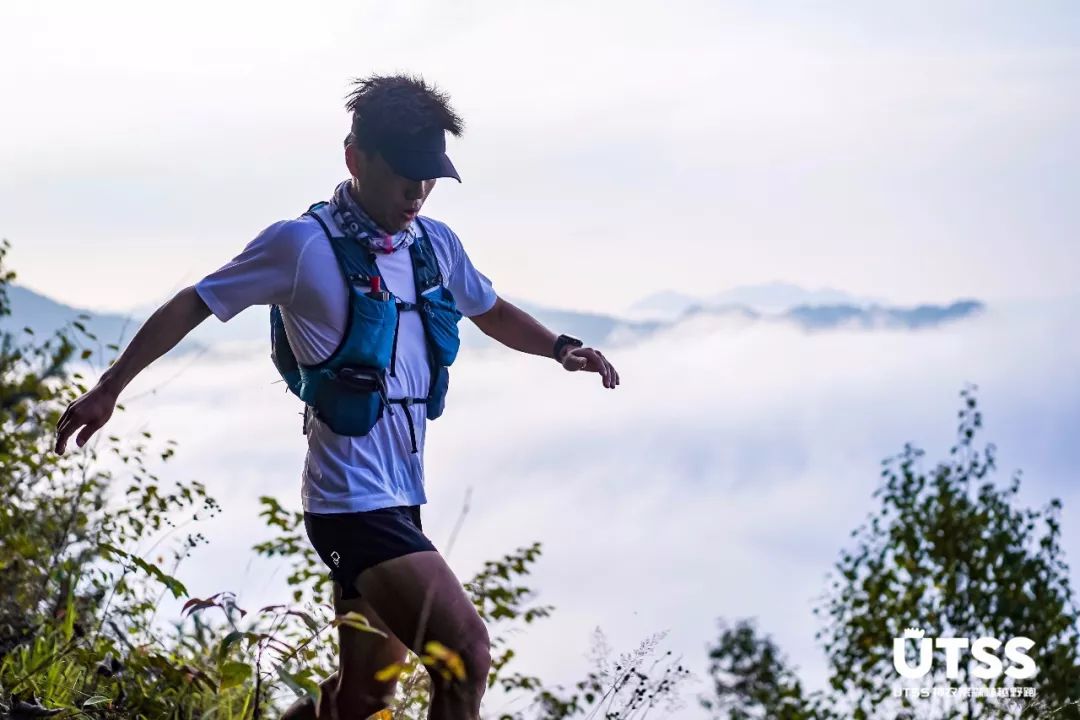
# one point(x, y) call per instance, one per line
point(516, 329)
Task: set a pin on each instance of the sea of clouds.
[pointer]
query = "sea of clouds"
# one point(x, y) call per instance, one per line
point(720, 479)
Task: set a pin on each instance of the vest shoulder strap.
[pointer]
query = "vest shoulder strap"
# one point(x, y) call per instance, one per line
point(425, 263)
point(321, 212)
point(355, 261)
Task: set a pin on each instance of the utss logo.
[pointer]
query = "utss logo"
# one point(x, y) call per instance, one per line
point(988, 665)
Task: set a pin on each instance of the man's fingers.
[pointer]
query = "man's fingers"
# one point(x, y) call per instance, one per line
point(612, 374)
point(62, 438)
point(607, 370)
point(64, 428)
point(603, 368)
point(63, 417)
point(593, 360)
point(86, 433)
point(611, 369)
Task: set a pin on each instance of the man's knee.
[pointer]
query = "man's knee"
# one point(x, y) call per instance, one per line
point(477, 659)
point(475, 655)
point(365, 697)
point(304, 708)
point(359, 709)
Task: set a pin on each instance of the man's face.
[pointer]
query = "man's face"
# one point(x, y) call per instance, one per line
point(392, 200)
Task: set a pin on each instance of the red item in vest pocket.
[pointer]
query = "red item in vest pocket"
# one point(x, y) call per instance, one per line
point(377, 293)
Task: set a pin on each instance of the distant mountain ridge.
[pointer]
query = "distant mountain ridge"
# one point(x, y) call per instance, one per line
point(877, 317)
point(44, 316)
point(775, 297)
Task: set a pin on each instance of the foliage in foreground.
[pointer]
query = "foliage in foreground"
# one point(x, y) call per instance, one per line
point(949, 552)
point(91, 543)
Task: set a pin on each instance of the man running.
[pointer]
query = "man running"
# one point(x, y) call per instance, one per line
point(365, 294)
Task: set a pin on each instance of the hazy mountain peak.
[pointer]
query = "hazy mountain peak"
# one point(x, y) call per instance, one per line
point(772, 297)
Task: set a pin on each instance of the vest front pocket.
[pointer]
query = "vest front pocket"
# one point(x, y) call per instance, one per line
point(371, 337)
point(441, 318)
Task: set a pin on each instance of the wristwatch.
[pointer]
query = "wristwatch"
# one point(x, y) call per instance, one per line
point(561, 342)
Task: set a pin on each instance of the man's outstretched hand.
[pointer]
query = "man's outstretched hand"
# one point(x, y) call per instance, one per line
point(169, 324)
point(88, 412)
point(591, 360)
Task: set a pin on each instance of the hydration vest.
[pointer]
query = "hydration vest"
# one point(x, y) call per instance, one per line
point(347, 391)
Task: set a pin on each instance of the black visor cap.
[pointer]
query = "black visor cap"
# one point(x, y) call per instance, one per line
point(418, 156)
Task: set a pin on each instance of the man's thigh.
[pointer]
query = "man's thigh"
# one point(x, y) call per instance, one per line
point(364, 654)
point(420, 599)
point(353, 689)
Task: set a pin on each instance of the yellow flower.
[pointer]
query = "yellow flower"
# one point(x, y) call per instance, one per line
point(437, 652)
point(390, 672)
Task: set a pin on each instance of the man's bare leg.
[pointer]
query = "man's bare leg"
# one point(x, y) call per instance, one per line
point(420, 600)
point(353, 691)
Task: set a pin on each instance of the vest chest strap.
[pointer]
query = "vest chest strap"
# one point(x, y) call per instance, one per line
point(406, 402)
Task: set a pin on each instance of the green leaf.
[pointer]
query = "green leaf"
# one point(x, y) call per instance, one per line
point(227, 642)
point(233, 674)
point(96, 700)
point(302, 686)
point(308, 620)
point(175, 586)
point(356, 621)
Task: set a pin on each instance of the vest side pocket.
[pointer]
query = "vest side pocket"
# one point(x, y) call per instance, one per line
point(440, 382)
point(441, 317)
point(281, 353)
point(348, 408)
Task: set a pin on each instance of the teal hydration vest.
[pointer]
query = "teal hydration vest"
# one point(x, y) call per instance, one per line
point(347, 391)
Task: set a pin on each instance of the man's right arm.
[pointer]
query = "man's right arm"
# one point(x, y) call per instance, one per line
point(159, 334)
point(264, 273)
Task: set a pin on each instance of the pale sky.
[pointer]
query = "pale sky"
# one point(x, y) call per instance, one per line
point(912, 151)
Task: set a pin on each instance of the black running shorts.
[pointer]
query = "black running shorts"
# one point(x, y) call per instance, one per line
point(350, 543)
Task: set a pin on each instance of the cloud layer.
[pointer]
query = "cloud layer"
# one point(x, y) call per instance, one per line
point(720, 479)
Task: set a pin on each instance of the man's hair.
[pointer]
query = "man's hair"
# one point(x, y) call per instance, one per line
point(383, 105)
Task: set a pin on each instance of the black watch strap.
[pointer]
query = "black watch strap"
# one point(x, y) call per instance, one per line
point(561, 342)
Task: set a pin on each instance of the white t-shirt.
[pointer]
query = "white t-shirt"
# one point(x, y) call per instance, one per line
point(291, 264)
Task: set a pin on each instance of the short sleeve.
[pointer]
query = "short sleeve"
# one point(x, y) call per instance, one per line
point(264, 273)
point(471, 288)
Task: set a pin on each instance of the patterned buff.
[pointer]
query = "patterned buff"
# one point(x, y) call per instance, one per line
point(356, 223)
